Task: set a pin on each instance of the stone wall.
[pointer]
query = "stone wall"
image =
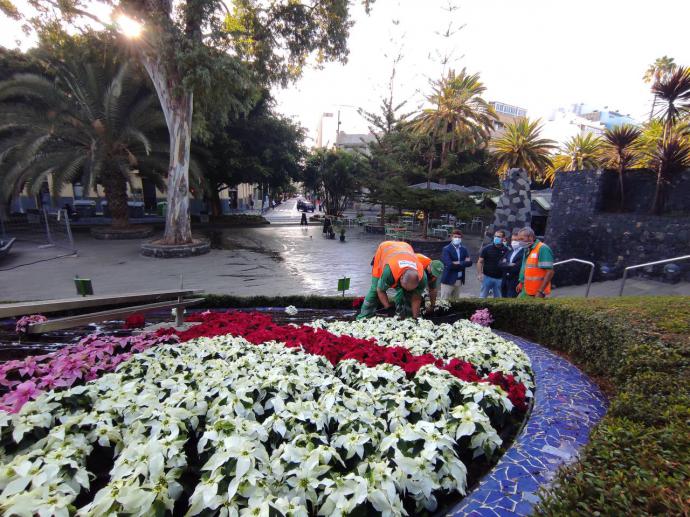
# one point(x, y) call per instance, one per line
point(579, 226)
point(514, 209)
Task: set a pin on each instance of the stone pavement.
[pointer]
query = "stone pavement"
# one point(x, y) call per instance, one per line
point(272, 260)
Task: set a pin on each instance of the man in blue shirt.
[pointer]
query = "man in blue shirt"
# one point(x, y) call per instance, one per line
point(455, 258)
point(488, 265)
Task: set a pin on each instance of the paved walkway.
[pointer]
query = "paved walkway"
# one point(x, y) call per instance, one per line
point(273, 260)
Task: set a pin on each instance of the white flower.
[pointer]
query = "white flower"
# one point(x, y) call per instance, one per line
point(291, 310)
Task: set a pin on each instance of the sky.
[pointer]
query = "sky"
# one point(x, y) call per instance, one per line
point(536, 54)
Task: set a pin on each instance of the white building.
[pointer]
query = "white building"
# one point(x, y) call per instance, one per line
point(562, 125)
point(354, 141)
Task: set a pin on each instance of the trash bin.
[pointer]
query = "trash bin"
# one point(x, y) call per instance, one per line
point(162, 208)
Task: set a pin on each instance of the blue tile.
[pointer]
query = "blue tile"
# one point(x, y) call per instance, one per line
point(567, 405)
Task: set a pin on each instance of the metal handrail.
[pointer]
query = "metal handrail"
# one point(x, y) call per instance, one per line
point(588, 263)
point(625, 271)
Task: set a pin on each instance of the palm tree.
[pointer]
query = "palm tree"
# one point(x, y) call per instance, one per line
point(621, 150)
point(580, 152)
point(520, 146)
point(670, 156)
point(673, 92)
point(460, 119)
point(661, 67)
point(97, 123)
point(559, 162)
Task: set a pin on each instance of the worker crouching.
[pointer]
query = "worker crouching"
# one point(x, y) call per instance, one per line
point(396, 266)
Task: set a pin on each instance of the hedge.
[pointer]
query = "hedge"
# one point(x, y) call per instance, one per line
point(638, 348)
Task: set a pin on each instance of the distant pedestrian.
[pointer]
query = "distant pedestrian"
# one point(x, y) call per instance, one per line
point(537, 266)
point(511, 266)
point(488, 266)
point(455, 258)
point(251, 203)
point(303, 221)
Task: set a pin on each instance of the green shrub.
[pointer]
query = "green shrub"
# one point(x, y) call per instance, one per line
point(638, 459)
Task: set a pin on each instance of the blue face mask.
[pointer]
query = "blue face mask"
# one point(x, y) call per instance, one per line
point(498, 240)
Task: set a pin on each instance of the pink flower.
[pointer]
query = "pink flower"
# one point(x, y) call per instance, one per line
point(21, 395)
point(482, 317)
point(29, 366)
point(23, 323)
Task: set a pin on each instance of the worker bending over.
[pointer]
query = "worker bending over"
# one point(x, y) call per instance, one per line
point(434, 271)
point(395, 265)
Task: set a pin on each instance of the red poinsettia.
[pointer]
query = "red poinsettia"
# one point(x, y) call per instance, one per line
point(135, 321)
point(259, 328)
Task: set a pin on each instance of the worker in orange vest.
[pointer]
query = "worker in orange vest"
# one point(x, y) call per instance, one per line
point(537, 266)
point(395, 265)
point(433, 270)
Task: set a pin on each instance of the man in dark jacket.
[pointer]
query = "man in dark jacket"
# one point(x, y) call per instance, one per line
point(455, 258)
point(511, 265)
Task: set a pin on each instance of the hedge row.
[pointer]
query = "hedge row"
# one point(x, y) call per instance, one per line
point(638, 348)
point(638, 458)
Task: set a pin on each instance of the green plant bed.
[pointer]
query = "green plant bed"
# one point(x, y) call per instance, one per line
point(638, 348)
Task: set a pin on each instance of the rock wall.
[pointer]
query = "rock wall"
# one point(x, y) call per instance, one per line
point(579, 226)
point(514, 209)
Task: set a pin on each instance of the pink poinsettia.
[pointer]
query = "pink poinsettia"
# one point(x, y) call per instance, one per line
point(21, 395)
point(23, 323)
point(482, 317)
point(87, 360)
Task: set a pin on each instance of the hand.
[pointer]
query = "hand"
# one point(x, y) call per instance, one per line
point(387, 311)
point(468, 259)
point(518, 288)
point(480, 276)
point(456, 263)
point(540, 294)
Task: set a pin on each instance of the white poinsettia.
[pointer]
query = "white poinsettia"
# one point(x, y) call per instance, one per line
point(275, 429)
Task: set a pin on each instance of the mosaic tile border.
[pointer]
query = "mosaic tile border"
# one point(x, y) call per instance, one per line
point(567, 405)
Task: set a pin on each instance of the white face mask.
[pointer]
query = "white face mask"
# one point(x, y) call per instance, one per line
point(518, 244)
point(456, 241)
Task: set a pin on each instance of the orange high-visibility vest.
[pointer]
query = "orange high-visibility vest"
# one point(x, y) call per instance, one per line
point(534, 275)
point(424, 260)
point(399, 256)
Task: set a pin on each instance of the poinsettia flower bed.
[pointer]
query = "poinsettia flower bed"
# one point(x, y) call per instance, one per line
point(260, 328)
point(271, 419)
point(94, 355)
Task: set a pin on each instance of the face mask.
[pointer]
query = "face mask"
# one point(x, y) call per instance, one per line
point(498, 240)
point(456, 241)
point(518, 244)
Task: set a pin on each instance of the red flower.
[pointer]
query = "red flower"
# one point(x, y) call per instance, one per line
point(357, 302)
point(135, 321)
point(259, 328)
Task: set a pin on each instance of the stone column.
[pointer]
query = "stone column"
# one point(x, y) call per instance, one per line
point(514, 209)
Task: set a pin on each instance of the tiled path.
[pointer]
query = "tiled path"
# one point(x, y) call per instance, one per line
point(567, 405)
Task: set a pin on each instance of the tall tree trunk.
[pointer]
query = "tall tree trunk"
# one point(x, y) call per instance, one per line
point(216, 208)
point(621, 170)
point(658, 205)
point(115, 186)
point(177, 108)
